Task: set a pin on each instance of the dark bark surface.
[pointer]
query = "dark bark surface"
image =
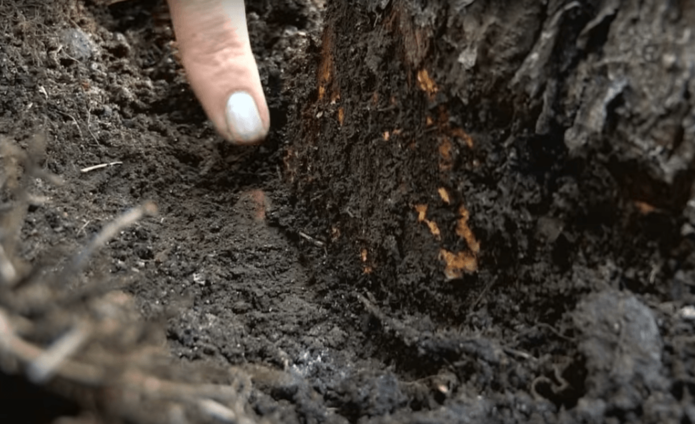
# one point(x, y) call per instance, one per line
point(466, 211)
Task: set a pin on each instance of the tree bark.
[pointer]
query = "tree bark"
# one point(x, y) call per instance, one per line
point(449, 146)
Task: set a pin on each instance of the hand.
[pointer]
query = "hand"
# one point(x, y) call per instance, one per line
point(216, 53)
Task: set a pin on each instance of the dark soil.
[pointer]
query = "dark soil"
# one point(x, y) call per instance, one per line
point(418, 239)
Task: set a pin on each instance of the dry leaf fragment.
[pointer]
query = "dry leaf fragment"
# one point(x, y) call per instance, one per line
point(434, 229)
point(426, 83)
point(458, 263)
point(645, 208)
point(459, 133)
point(446, 161)
point(464, 231)
point(422, 217)
point(421, 212)
point(444, 195)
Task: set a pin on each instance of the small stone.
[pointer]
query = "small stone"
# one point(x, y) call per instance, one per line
point(687, 312)
point(619, 337)
point(77, 44)
point(199, 278)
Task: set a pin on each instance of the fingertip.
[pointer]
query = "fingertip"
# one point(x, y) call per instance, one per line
point(220, 67)
point(244, 121)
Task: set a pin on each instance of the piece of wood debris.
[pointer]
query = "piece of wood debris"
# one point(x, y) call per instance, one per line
point(100, 166)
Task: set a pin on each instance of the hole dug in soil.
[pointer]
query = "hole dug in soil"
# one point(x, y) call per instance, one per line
point(463, 213)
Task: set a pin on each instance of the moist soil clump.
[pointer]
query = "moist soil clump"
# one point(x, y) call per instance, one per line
point(457, 217)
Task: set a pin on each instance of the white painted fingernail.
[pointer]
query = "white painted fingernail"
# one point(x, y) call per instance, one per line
point(243, 119)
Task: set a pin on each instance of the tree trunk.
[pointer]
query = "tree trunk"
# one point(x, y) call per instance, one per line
point(448, 150)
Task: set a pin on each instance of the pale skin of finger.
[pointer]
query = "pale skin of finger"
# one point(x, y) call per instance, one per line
point(213, 39)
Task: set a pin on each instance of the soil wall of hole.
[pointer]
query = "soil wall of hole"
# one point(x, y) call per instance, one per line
point(449, 150)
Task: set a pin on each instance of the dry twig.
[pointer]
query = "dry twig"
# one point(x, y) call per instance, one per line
point(100, 166)
point(46, 365)
point(109, 231)
point(314, 241)
point(104, 351)
point(7, 270)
